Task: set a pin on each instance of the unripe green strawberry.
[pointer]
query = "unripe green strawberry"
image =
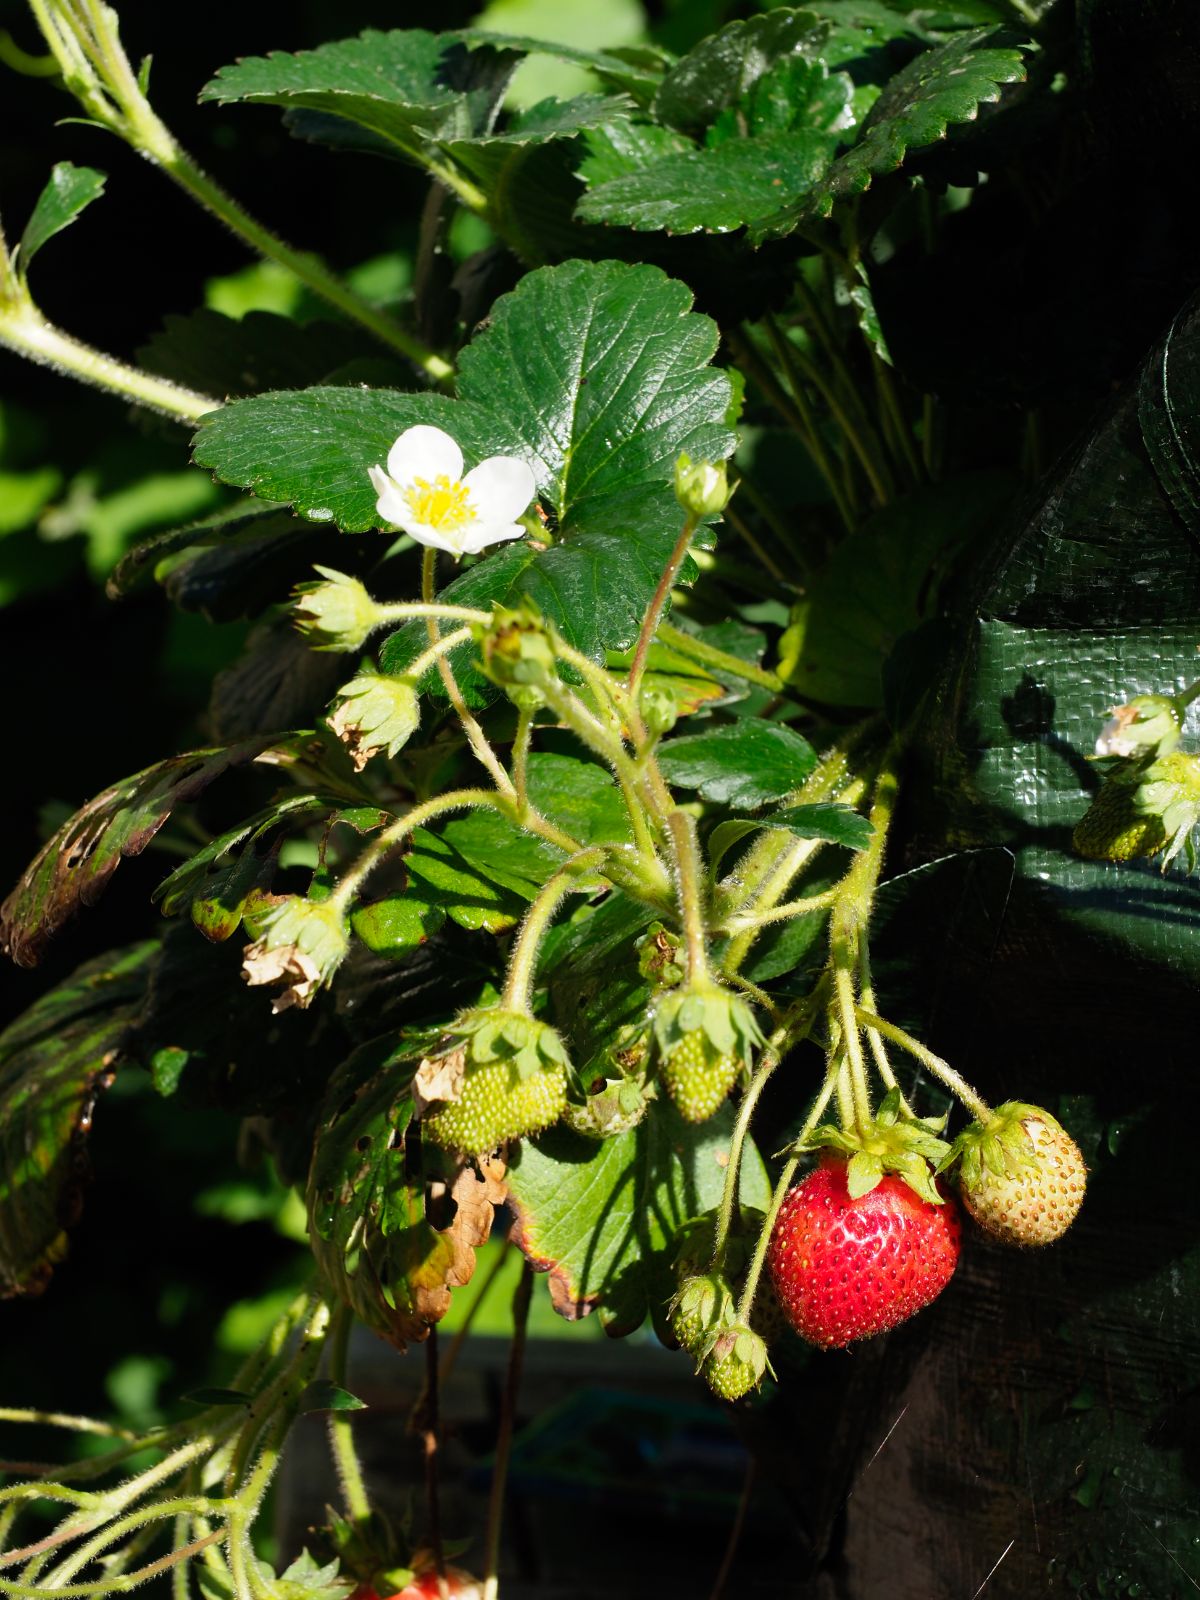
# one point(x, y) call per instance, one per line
point(1022, 1177)
point(1113, 829)
point(736, 1362)
point(498, 1075)
point(703, 1036)
point(1137, 814)
point(618, 1105)
point(703, 1306)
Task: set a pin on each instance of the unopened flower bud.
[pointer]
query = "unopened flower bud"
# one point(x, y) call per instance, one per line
point(518, 654)
point(338, 614)
point(375, 712)
point(701, 487)
point(658, 708)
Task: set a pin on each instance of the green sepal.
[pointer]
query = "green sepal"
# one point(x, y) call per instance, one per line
point(493, 1033)
point(517, 653)
point(735, 1360)
point(724, 1018)
point(1000, 1145)
point(907, 1147)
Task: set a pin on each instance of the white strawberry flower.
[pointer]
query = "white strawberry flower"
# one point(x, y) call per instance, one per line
point(425, 493)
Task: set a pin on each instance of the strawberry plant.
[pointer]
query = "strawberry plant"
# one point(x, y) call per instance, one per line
point(637, 758)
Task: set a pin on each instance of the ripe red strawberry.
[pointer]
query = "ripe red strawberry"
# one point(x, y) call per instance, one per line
point(848, 1269)
point(460, 1585)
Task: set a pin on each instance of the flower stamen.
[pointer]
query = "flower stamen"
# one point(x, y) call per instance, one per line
point(444, 503)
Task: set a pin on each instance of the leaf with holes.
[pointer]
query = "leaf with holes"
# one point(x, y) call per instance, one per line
point(376, 1247)
point(54, 1060)
point(940, 88)
point(596, 373)
point(603, 1219)
point(73, 867)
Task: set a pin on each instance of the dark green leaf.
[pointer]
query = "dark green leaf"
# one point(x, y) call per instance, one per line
point(821, 820)
point(54, 1061)
point(622, 147)
point(468, 897)
point(74, 866)
point(602, 1219)
point(495, 161)
point(400, 87)
point(636, 71)
point(226, 356)
point(942, 87)
point(722, 69)
point(326, 1396)
point(395, 925)
point(70, 189)
point(746, 763)
point(594, 372)
point(716, 190)
point(590, 966)
point(216, 1397)
point(877, 586)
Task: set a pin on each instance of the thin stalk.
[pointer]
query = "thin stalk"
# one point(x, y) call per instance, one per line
point(24, 330)
point(689, 886)
point(658, 601)
point(520, 761)
point(866, 999)
point(688, 645)
point(426, 659)
point(794, 908)
point(735, 1533)
point(475, 734)
point(754, 1272)
point(893, 410)
point(522, 966)
point(430, 1440)
point(508, 1411)
point(120, 1584)
point(403, 609)
point(62, 1419)
point(748, 488)
point(181, 1506)
point(341, 1434)
point(843, 988)
point(942, 1070)
point(845, 1095)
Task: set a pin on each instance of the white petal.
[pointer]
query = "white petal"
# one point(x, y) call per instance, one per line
point(424, 452)
point(477, 538)
point(501, 488)
point(436, 538)
point(391, 504)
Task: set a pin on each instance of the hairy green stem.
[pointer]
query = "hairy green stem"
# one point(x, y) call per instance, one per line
point(690, 888)
point(784, 913)
point(843, 988)
point(754, 1272)
point(942, 1070)
point(341, 1434)
point(518, 985)
point(508, 1411)
point(475, 734)
point(708, 655)
point(659, 600)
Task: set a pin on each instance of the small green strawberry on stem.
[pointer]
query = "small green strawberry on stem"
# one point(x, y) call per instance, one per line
point(703, 1306)
point(1142, 809)
point(1021, 1176)
point(704, 1035)
point(735, 1362)
point(497, 1074)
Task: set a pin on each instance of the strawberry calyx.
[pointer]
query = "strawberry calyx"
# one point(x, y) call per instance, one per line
point(908, 1147)
point(1142, 807)
point(703, 1036)
point(703, 1306)
point(1001, 1146)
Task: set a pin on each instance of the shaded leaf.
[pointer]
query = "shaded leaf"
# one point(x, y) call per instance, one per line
point(326, 1396)
point(823, 819)
point(495, 161)
point(225, 356)
point(941, 87)
point(54, 1061)
point(746, 763)
point(722, 68)
point(69, 191)
point(636, 71)
point(399, 86)
point(73, 867)
point(603, 1218)
point(375, 1246)
point(396, 924)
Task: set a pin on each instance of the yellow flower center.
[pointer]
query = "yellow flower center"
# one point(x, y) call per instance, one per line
point(445, 503)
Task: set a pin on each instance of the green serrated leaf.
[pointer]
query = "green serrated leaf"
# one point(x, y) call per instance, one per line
point(397, 88)
point(495, 161)
point(603, 1218)
point(746, 763)
point(942, 87)
point(822, 819)
point(596, 373)
point(724, 67)
point(69, 191)
point(54, 1061)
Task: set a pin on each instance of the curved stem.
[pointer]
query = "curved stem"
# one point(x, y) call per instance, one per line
point(426, 659)
point(521, 1300)
point(475, 734)
point(523, 963)
point(866, 1000)
point(658, 601)
point(520, 761)
point(942, 1070)
point(387, 841)
point(24, 330)
point(401, 610)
